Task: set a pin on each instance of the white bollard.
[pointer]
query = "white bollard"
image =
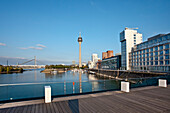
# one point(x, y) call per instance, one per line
point(47, 94)
point(124, 86)
point(162, 83)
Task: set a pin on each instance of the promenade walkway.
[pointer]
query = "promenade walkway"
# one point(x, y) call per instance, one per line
point(151, 99)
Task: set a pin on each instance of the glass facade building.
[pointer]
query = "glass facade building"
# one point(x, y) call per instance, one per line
point(113, 63)
point(152, 55)
point(128, 38)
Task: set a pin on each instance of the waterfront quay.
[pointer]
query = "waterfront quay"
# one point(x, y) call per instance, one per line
point(126, 73)
point(139, 100)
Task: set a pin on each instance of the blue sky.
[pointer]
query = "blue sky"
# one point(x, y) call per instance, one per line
point(49, 29)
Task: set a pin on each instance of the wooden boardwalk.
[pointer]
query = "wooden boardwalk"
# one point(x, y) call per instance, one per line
point(150, 99)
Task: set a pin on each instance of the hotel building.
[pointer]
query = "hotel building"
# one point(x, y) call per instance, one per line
point(152, 55)
point(128, 38)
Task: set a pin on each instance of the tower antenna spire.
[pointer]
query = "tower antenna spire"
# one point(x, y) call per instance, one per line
point(79, 34)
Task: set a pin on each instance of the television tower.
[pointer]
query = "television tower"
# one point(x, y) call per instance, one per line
point(80, 40)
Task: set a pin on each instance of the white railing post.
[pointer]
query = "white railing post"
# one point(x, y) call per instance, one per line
point(47, 94)
point(124, 86)
point(162, 83)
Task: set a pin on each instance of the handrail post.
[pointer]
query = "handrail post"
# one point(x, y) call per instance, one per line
point(124, 86)
point(162, 83)
point(47, 94)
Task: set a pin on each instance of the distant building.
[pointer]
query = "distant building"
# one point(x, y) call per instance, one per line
point(93, 62)
point(113, 63)
point(152, 55)
point(107, 54)
point(104, 55)
point(128, 38)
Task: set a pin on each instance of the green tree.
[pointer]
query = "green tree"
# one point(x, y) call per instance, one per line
point(1, 68)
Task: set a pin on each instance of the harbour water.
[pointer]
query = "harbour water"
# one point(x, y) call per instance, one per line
point(30, 84)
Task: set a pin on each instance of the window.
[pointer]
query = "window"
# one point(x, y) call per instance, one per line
point(147, 54)
point(151, 63)
point(161, 62)
point(147, 50)
point(161, 57)
point(151, 58)
point(166, 51)
point(143, 51)
point(166, 57)
point(134, 34)
point(167, 46)
point(147, 59)
point(156, 58)
point(156, 62)
point(151, 54)
point(156, 48)
point(134, 37)
point(134, 43)
point(156, 53)
point(161, 53)
point(167, 62)
point(160, 47)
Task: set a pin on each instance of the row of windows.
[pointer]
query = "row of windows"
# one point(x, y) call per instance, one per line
point(154, 41)
point(152, 68)
point(151, 56)
point(152, 49)
point(165, 52)
point(166, 57)
point(166, 62)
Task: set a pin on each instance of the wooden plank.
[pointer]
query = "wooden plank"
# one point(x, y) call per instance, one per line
point(44, 108)
point(52, 108)
point(37, 108)
point(65, 107)
point(29, 109)
point(13, 110)
point(40, 108)
point(58, 107)
point(55, 108)
point(33, 108)
point(48, 107)
point(25, 109)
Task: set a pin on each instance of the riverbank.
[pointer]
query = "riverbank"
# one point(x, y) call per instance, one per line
point(52, 70)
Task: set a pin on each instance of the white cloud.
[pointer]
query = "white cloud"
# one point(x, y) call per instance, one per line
point(38, 48)
point(12, 57)
point(40, 45)
point(2, 44)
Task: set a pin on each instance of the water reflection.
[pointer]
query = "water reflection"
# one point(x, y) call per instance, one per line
point(80, 74)
point(53, 76)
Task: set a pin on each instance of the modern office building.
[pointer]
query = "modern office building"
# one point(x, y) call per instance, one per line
point(93, 62)
point(107, 54)
point(152, 55)
point(113, 63)
point(128, 38)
